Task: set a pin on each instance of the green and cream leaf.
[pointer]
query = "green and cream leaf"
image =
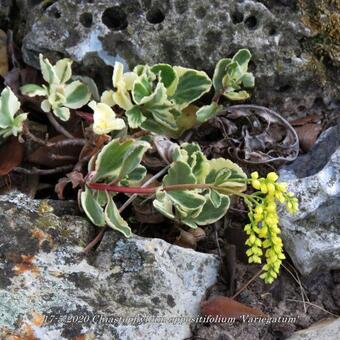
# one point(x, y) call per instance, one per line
point(114, 220)
point(92, 208)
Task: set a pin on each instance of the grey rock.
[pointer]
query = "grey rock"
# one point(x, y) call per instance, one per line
point(289, 76)
point(329, 329)
point(312, 162)
point(43, 275)
point(312, 236)
point(5, 7)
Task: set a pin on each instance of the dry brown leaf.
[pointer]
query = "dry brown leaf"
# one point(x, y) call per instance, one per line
point(308, 134)
point(3, 54)
point(186, 240)
point(305, 120)
point(74, 177)
point(226, 307)
point(11, 154)
point(249, 134)
point(146, 213)
point(198, 233)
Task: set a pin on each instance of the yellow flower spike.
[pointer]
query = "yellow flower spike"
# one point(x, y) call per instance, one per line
point(271, 207)
point(256, 184)
point(254, 175)
point(258, 217)
point(281, 256)
point(252, 239)
point(279, 196)
point(264, 230)
point(271, 188)
point(282, 186)
point(272, 176)
point(266, 244)
point(249, 252)
point(263, 188)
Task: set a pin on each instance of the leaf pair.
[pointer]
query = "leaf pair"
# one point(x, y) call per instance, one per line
point(159, 108)
point(231, 75)
point(118, 162)
point(11, 123)
point(207, 185)
point(61, 96)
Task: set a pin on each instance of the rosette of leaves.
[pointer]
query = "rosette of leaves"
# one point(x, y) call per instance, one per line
point(61, 94)
point(231, 79)
point(118, 162)
point(161, 95)
point(231, 75)
point(11, 123)
point(206, 185)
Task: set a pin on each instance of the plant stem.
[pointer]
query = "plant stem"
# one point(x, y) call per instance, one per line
point(66, 142)
point(124, 206)
point(33, 137)
point(57, 126)
point(85, 115)
point(140, 190)
point(36, 171)
point(149, 181)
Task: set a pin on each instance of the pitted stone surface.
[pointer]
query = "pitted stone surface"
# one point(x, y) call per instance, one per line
point(289, 76)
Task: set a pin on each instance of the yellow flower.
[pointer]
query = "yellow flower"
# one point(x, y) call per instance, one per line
point(122, 83)
point(272, 176)
point(105, 119)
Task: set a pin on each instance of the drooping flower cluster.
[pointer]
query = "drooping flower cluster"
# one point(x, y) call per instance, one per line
point(263, 230)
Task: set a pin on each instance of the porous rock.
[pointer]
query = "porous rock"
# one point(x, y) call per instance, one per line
point(48, 290)
point(294, 67)
point(312, 236)
point(5, 7)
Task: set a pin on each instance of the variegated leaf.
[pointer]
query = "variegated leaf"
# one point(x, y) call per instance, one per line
point(32, 90)
point(109, 160)
point(115, 220)
point(219, 73)
point(63, 70)
point(63, 113)
point(135, 117)
point(207, 111)
point(191, 85)
point(92, 208)
point(168, 77)
point(76, 94)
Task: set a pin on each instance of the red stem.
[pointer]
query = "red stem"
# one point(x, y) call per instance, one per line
point(119, 188)
point(141, 190)
point(85, 115)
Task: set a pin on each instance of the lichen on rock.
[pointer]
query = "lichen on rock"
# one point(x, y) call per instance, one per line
point(49, 290)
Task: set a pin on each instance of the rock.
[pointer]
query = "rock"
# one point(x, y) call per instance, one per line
point(290, 75)
point(43, 277)
point(312, 236)
point(5, 7)
point(329, 329)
